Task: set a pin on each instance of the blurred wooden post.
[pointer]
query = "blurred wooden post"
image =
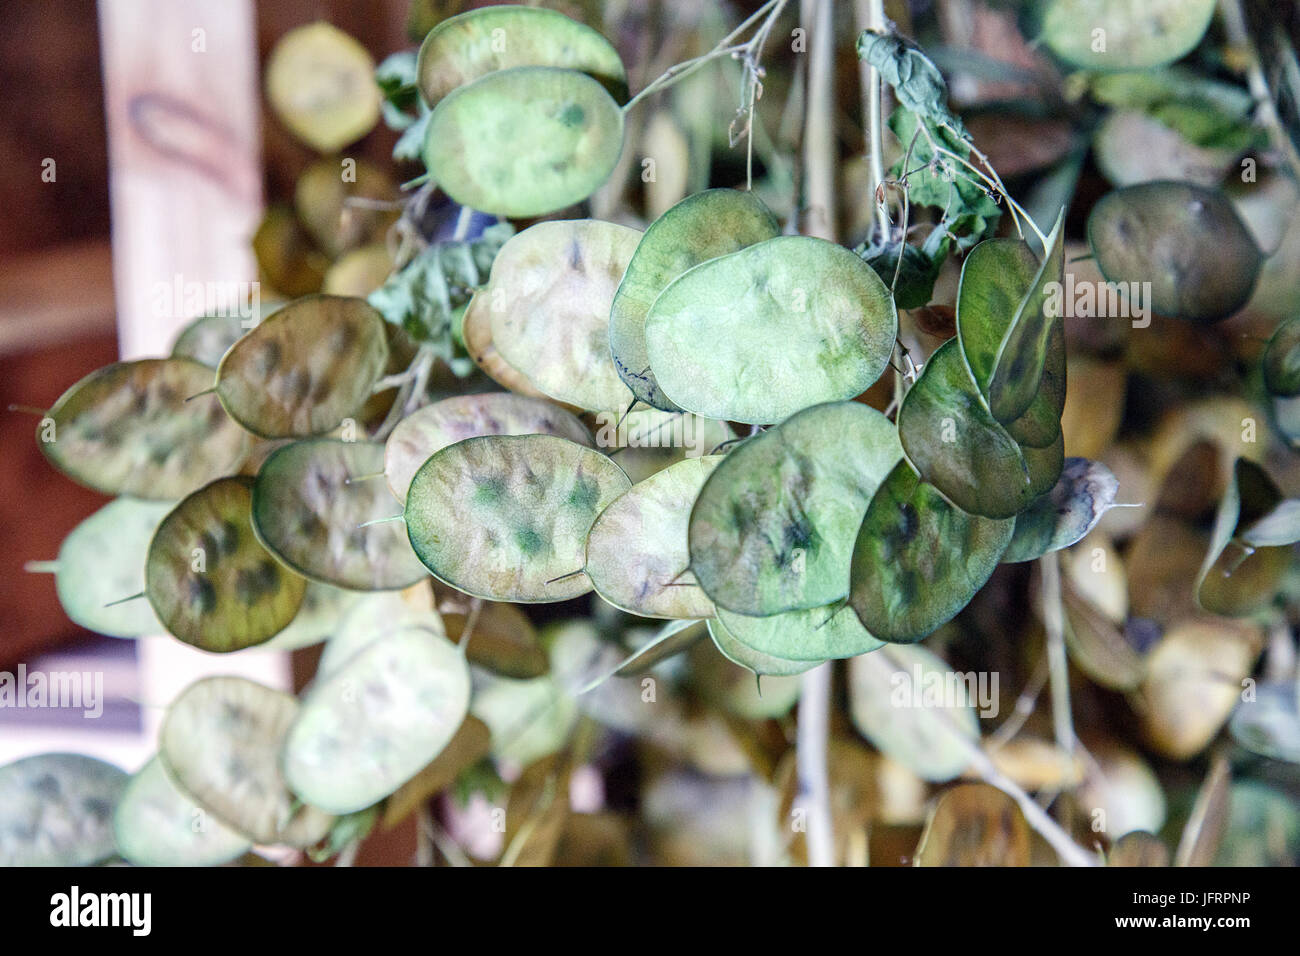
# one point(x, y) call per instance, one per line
point(181, 91)
point(181, 88)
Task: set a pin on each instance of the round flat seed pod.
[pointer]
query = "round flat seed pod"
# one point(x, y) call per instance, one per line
point(893, 703)
point(463, 48)
point(549, 298)
point(1270, 723)
point(995, 278)
point(360, 271)
point(773, 527)
point(375, 617)
point(1282, 360)
point(444, 423)
point(321, 84)
point(1040, 426)
point(1112, 35)
point(470, 744)
point(524, 142)
point(220, 744)
point(637, 551)
point(207, 338)
point(1023, 352)
point(127, 429)
point(57, 810)
point(311, 502)
point(305, 368)
point(1186, 240)
point(780, 325)
point(285, 254)
point(377, 721)
point(957, 445)
point(320, 198)
point(476, 331)
point(918, 560)
point(816, 634)
point(1238, 579)
point(529, 719)
point(761, 664)
point(102, 561)
point(157, 825)
point(1084, 492)
point(506, 517)
point(974, 824)
point(210, 581)
point(716, 222)
point(1099, 647)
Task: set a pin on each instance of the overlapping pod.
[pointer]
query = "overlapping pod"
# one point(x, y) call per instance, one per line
point(703, 226)
point(209, 579)
point(506, 517)
point(144, 429)
point(759, 334)
point(306, 368)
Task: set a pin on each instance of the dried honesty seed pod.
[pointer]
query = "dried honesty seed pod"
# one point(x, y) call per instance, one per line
point(1022, 354)
point(157, 825)
point(285, 254)
point(1186, 240)
point(1084, 492)
point(374, 617)
point(524, 142)
point(434, 427)
point(320, 198)
point(1193, 682)
point(305, 368)
point(918, 560)
point(958, 446)
point(220, 743)
point(548, 299)
point(506, 517)
point(127, 429)
point(503, 639)
point(377, 720)
point(210, 581)
point(476, 332)
point(1099, 647)
point(773, 527)
point(1269, 724)
point(761, 664)
point(671, 639)
point(893, 704)
point(998, 280)
point(312, 504)
point(465, 47)
point(1111, 35)
point(1282, 360)
point(321, 84)
point(703, 226)
point(648, 440)
point(209, 337)
point(102, 561)
point(817, 634)
point(636, 551)
point(757, 335)
point(1238, 579)
point(974, 824)
point(360, 271)
point(57, 810)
